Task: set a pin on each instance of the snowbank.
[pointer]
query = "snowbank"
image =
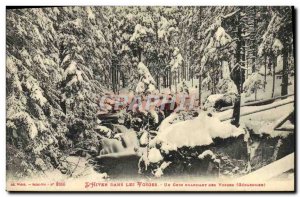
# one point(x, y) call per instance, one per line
point(268, 115)
point(269, 127)
point(272, 170)
point(197, 132)
point(167, 121)
point(263, 122)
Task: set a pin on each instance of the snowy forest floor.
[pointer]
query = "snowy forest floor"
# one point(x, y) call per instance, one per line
point(261, 94)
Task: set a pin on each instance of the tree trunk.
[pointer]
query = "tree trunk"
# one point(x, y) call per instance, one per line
point(167, 78)
point(187, 71)
point(156, 79)
point(200, 83)
point(255, 93)
point(158, 83)
point(170, 79)
point(175, 80)
point(123, 79)
point(213, 80)
point(236, 111)
point(285, 79)
point(140, 54)
point(254, 43)
point(117, 80)
point(192, 76)
point(183, 72)
point(178, 75)
point(113, 78)
point(265, 75)
point(274, 66)
point(237, 104)
point(247, 73)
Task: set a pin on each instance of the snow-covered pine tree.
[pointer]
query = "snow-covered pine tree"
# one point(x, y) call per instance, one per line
point(35, 121)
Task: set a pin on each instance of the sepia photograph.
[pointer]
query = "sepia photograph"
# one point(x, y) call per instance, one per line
point(150, 98)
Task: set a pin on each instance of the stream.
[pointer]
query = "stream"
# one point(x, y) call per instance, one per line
point(125, 154)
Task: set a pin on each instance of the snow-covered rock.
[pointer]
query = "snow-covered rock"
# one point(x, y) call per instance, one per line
point(207, 153)
point(154, 155)
point(212, 99)
point(199, 131)
point(217, 101)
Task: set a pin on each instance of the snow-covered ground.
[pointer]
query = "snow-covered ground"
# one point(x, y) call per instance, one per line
point(260, 95)
point(80, 170)
point(267, 93)
point(272, 170)
point(263, 121)
point(262, 115)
